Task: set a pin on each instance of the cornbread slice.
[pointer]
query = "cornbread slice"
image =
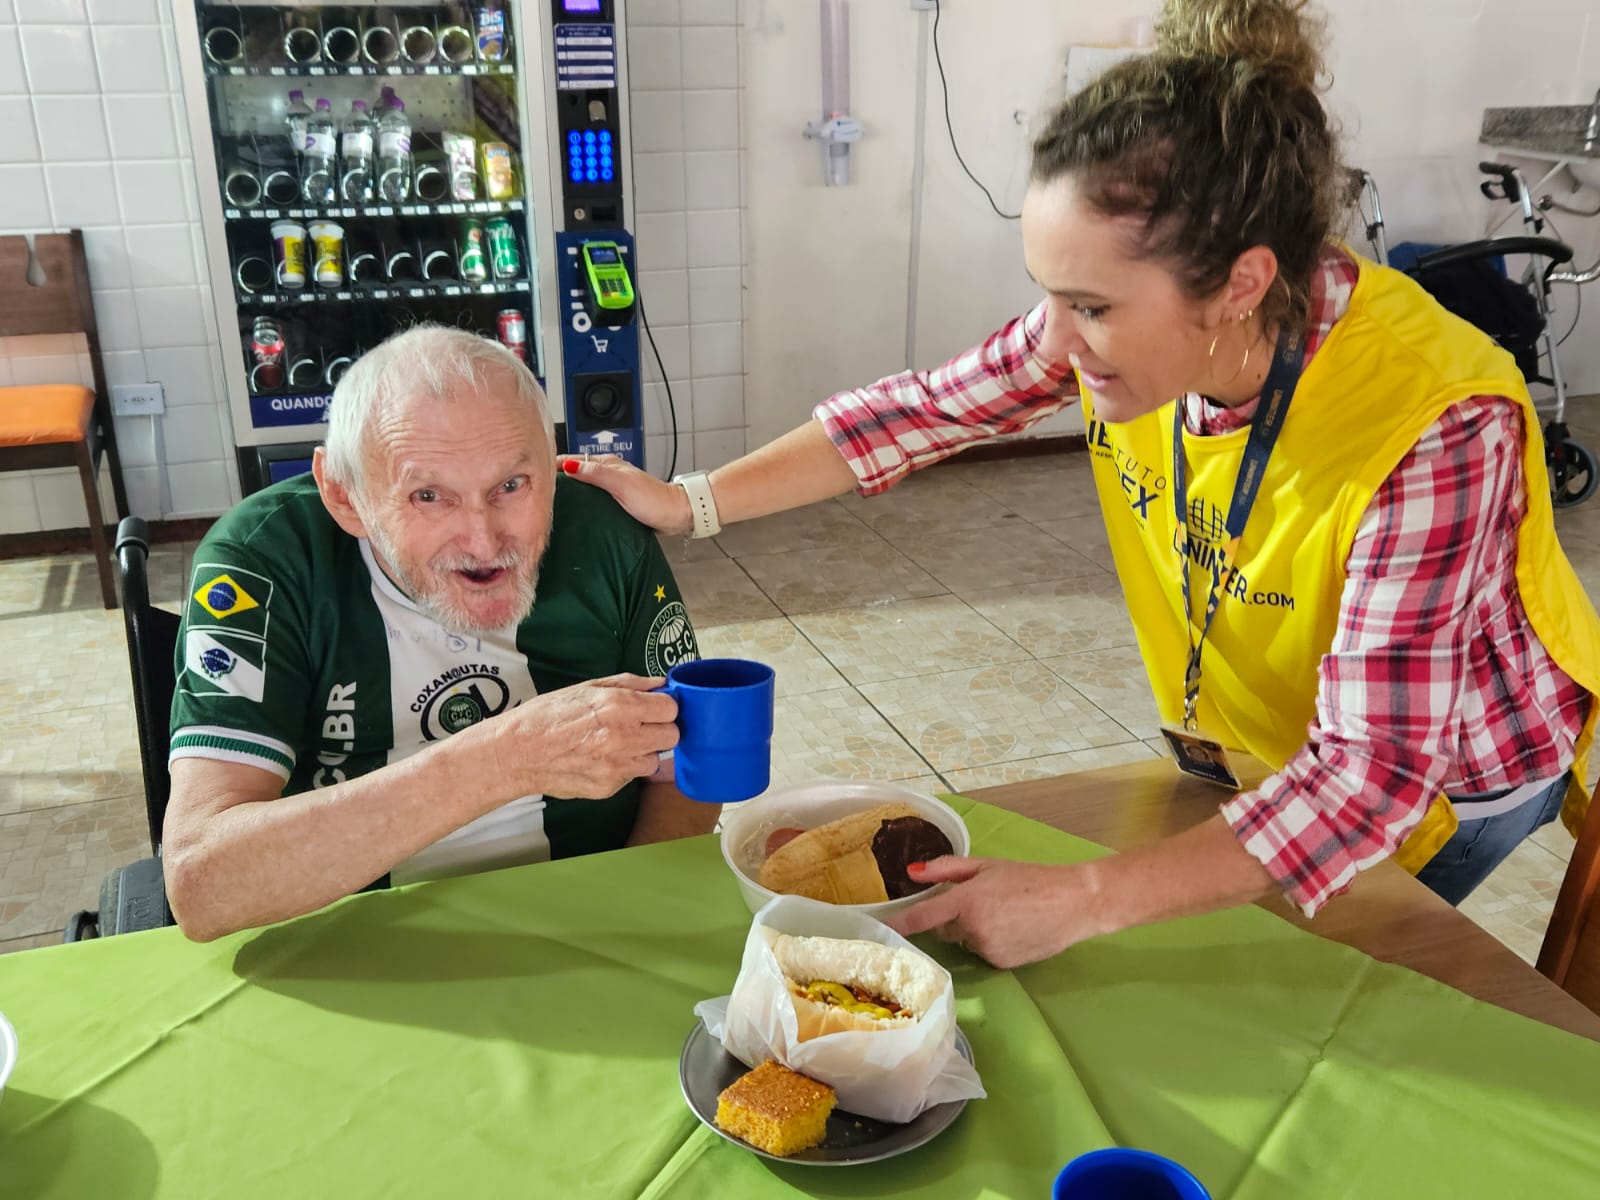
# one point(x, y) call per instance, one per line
point(776, 1109)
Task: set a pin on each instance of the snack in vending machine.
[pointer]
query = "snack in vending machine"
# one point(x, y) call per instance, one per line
point(289, 253)
point(461, 153)
point(494, 40)
point(499, 171)
point(327, 242)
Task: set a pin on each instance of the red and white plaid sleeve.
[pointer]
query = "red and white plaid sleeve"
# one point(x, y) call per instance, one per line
point(914, 419)
point(1384, 737)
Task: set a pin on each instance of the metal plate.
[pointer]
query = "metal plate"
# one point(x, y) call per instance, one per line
point(705, 1069)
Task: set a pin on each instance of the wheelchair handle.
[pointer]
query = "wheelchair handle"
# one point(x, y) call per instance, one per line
point(1507, 187)
point(132, 531)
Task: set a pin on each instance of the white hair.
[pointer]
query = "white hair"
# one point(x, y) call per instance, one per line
point(433, 362)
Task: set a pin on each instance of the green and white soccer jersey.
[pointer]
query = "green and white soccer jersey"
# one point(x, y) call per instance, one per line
point(440, 683)
point(299, 656)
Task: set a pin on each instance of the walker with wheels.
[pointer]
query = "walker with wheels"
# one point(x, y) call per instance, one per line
point(1470, 280)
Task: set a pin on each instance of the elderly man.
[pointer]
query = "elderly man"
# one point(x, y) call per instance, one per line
point(393, 669)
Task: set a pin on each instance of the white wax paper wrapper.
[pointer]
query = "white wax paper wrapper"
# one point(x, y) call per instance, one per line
point(890, 1074)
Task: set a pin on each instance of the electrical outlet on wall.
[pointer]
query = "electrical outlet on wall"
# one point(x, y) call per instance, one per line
point(138, 399)
point(922, 5)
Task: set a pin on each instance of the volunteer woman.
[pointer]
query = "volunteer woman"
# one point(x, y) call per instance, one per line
point(1377, 605)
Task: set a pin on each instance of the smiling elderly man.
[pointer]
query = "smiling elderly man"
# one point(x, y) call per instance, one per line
point(390, 671)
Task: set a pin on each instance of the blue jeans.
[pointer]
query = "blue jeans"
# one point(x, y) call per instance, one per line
point(1478, 847)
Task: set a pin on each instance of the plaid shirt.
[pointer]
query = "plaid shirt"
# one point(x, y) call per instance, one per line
point(1435, 680)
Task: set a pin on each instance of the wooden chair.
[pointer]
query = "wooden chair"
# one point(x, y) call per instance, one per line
point(1570, 955)
point(59, 425)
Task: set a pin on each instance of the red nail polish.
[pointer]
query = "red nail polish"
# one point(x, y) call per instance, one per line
point(916, 868)
point(572, 466)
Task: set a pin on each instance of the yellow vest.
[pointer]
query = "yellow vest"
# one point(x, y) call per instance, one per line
point(1389, 369)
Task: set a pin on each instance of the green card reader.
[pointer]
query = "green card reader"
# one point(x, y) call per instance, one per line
point(610, 291)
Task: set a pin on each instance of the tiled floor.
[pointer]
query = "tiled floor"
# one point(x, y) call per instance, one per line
point(961, 631)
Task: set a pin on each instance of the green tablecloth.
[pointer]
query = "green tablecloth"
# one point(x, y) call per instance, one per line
point(518, 1034)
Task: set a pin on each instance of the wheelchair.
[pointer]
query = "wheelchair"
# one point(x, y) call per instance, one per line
point(1470, 280)
point(134, 897)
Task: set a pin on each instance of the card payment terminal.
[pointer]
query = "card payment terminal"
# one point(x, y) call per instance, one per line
point(610, 290)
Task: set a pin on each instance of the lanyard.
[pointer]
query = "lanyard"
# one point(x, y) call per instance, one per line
point(1272, 411)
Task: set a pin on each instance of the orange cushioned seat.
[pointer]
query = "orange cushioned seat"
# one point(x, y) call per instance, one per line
point(41, 414)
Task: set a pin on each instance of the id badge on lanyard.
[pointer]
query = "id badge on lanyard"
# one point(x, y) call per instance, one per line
point(1195, 753)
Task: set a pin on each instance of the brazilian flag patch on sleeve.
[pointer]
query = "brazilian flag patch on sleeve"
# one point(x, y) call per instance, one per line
point(231, 598)
point(225, 632)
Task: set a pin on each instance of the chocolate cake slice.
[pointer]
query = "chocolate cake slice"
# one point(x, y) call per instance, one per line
point(899, 843)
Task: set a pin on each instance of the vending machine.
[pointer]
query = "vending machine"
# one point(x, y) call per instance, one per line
point(365, 167)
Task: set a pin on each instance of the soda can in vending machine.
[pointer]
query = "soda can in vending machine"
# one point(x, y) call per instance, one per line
point(512, 328)
point(266, 355)
point(504, 257)
point(474, 256)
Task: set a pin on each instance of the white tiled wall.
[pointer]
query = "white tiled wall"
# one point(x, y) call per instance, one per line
point(92, 136)
point(746, 300)
point(1410, 82)
point(1421, 144)
point(684, 64)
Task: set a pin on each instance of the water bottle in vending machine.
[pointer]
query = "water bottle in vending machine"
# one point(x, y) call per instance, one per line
point(394, 153)
point(297, 117)
point(355, 154)
point(321, 164)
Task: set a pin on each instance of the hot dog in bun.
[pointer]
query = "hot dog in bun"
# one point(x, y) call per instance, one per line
point(839, 985)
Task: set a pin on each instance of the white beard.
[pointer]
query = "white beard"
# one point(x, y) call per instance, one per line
point(439, 605)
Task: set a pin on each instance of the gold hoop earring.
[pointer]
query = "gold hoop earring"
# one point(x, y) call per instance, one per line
point(1212, 353)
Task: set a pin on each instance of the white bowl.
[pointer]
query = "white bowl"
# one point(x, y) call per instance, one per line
point(8, 1052)
point(745, 829)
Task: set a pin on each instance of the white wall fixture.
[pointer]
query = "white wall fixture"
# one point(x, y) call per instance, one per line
point(837, 130)
point(138, 400)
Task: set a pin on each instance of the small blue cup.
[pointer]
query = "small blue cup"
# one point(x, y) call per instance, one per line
point(1119, 1174)
point(725, 708)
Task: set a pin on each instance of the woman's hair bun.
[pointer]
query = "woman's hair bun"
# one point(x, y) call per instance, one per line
point(1278, 37)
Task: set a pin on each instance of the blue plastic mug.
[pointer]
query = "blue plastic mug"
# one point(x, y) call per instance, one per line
point(1119, 1174)
point(725, 708)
